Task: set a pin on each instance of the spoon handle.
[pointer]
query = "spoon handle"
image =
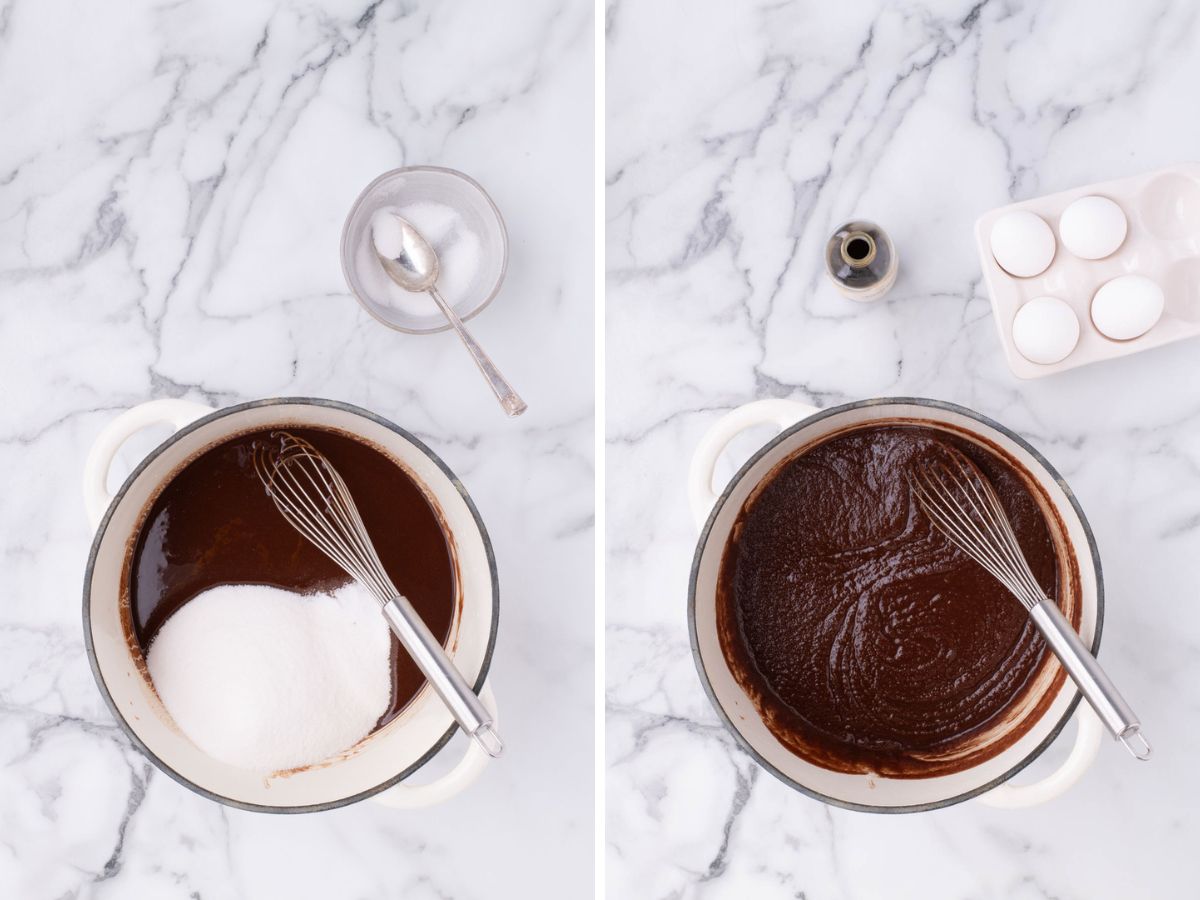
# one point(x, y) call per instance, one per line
point(509, 399)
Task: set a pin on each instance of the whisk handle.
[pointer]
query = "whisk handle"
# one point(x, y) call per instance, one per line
point(426, 651)
point(1116, 714)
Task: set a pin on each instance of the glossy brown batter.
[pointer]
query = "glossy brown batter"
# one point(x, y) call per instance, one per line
point(213, 524)
point(868, 641)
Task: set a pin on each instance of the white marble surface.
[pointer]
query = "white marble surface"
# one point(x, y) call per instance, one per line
point(173, 179)
point(738, 136)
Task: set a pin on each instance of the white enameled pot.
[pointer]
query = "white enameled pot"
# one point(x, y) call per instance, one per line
point(377, 765)
point(716, 511)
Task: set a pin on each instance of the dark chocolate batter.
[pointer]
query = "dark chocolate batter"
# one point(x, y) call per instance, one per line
point(213, 524)
point(867, 640)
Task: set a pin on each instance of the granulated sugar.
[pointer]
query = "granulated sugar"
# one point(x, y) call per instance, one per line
point(457, 246)
point(266, 679)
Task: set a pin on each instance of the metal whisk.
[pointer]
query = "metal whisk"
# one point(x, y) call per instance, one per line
point(963, 506)
point(314, 499)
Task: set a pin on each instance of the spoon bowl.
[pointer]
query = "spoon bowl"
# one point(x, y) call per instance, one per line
point(406, 256)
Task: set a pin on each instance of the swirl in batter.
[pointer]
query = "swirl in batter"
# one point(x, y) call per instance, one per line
point(867, 641)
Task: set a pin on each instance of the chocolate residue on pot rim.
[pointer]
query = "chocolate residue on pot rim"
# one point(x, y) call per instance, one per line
point(984, 739)
point(396, 716)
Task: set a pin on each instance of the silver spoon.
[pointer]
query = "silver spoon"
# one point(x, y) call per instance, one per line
point(416, 268)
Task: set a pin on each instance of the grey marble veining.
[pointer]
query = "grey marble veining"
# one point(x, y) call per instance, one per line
point(173, 179)
point(738, 137)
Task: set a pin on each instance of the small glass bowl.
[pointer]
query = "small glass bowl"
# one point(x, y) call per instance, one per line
point(425, 184)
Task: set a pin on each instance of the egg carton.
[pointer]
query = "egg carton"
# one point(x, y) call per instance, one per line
point(1162, 209)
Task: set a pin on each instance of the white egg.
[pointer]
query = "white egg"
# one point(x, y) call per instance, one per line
point(1045, 330)
point(1127, 307)
point(1022, 243)
point(1093, 227)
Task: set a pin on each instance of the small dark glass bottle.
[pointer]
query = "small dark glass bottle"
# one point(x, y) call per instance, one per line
point(861, 261)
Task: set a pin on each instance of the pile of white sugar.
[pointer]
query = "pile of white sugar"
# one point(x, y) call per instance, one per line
point(266, 679)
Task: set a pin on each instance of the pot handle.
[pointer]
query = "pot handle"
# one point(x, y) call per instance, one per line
point(457, 780)
point(1087, 744)
point(176, 413)
point(783, 413)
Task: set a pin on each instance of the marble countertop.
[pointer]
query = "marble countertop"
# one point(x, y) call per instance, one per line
point(738, 137)
point(173, 180)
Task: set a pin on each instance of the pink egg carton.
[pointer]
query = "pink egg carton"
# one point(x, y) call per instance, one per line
point(1163, 243)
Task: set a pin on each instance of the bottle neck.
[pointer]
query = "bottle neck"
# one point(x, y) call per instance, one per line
point(858, 249)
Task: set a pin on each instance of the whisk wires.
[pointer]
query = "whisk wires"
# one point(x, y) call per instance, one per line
point(308, 491)
point(963, 506)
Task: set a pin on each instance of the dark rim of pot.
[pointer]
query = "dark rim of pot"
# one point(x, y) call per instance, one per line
point(103, 527)
point(703, 541)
